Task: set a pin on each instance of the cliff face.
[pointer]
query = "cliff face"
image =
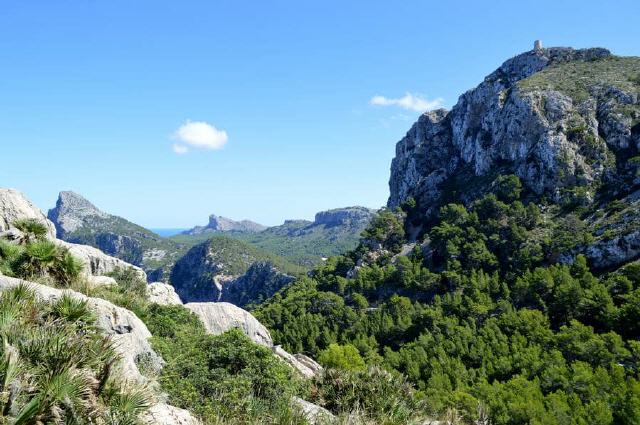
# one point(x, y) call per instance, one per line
point(222, 224)
point(558, 118)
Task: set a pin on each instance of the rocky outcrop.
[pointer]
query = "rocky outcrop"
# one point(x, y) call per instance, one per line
point(128, 332)
point(222, 224)
point(164, 414)
point(312, 412)
point(523, 119)
point(306, 366)
point(350, 216)
point(163, 294)
point(71, 213)
point(260, 282)
point(96, 262)
point(221, 317)
point(15, 206)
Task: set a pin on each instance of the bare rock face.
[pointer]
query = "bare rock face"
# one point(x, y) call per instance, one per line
point(163, 294)
point(353, 216)
point(128, 332)
point(96, 262)
point(222, 224)
point(164, 414)
point(518, 121)
point(15, 206)
point(221, 317)
point(306, 366)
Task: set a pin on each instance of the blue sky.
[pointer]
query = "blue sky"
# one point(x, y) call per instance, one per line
point(94, 93)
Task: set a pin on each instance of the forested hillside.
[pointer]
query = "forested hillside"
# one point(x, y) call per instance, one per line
point(503, 279)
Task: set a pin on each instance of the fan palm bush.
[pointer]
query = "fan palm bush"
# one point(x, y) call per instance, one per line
point(34, 258)
point(31, 229)
point(56, 367)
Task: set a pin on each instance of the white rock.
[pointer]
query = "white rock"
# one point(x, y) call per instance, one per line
point(96, 262)
point(164, 414)
point(128, 332)
point(163, 294)
point(15, 206)
point(312, 412)
point(221, 317)
point(307, 367)
point(101, 281)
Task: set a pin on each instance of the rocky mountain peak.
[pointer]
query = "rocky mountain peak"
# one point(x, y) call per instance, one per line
point(71, 210)
point(558, 118)
point(223, 224)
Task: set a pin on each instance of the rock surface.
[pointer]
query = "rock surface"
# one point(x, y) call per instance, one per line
point(96, 262)
point(163, 294)
point(516, 122)
point(312, 412)
point(306, 366)
point(223, 224)
point(164, 414)
point(344, 216)
point(221, 317)
point(14, 206)
point(128, 332)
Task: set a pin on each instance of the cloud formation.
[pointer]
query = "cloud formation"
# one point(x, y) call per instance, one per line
point(409, 101)
point(198, 134)
point(180, 149)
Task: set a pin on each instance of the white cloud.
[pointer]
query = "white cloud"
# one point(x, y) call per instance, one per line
point(198, 134)
point(180, 149)
point(408, 101)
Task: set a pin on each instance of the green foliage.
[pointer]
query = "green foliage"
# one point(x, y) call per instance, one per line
point(225, 378)
point(381, 397)
point(574, 78)
point(55, 367)
point(345, 357)
point(36, 258)
point(386, 229)
point(485, 323)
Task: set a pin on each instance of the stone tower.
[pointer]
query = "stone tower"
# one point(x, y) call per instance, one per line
point(537, 45)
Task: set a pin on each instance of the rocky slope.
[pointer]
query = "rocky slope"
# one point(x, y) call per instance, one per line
point(565, 121)
point(79, 221)
point(222, 224)
point(224, 269)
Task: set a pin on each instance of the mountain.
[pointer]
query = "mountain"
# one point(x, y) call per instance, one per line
point(222, 224)
point(565, 121)
point(208, 269)
point(79, 221)
point(303, 242)
point(503, 278)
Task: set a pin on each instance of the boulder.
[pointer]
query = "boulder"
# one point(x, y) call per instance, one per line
point(220, 317)
point(15, 206)
point(163, 294)
point(164, 414)
point(312, 412)
point(307, 367)
point(96, 262)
